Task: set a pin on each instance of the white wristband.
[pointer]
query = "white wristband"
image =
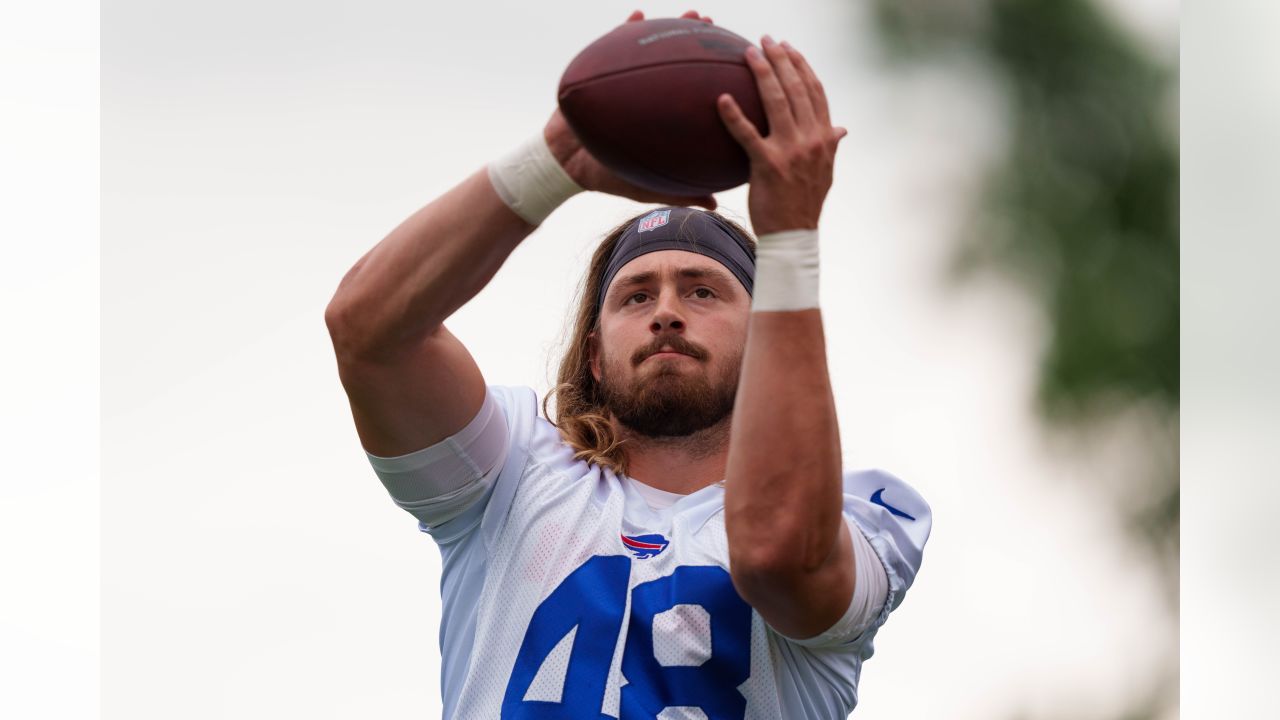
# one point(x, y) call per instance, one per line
point(530, 181)
point(786, 271)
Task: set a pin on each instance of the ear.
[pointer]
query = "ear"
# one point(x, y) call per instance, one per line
point(593, 351)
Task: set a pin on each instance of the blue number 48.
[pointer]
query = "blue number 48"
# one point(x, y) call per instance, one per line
point(592, 599)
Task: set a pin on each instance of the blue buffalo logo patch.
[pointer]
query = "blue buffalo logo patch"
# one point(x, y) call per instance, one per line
point(645, 546)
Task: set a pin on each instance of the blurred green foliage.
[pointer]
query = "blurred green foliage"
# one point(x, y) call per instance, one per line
point(1082, 210)
point(1084, 206)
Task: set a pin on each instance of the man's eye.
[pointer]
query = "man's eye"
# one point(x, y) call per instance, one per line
point(633, 296)
point(704, 293)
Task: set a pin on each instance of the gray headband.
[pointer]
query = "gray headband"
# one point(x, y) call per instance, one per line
point(681, 228)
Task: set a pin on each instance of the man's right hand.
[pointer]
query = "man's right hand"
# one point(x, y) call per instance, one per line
point(590, 174)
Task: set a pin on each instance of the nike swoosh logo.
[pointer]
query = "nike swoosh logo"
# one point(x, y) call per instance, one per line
point(876, 497)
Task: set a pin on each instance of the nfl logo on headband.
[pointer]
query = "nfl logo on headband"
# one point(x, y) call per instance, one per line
point(653, 220)
point(681, 228)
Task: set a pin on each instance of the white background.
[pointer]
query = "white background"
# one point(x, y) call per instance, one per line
point(251, 565)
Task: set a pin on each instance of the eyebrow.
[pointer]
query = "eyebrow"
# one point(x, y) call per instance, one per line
point(716, 276)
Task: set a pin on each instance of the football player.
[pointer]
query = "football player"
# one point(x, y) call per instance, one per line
point(677, 538)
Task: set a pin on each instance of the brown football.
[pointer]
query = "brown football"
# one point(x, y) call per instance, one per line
point(643, 101)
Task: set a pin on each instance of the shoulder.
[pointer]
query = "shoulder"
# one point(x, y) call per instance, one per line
point(535, 434)
point(516, 401)
point(895, 519)
point(885, 495)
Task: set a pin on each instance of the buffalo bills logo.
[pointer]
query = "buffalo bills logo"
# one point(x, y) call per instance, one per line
point(653, 220)
point(644, 546)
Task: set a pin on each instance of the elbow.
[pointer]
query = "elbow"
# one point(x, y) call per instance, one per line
point(780, 543)
point(763, 567)
point(336, 319)
point(759, 561)
point(344, 332)
point(758, 576)
point(347, 329)
point(362, 336)
point(771, 562)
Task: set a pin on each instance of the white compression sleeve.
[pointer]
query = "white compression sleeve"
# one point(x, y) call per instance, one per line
point(530, 181)
point(870, 592)
point(786, 271)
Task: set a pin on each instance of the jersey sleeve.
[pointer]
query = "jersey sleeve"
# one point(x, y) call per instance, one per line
point(870, 589)
point(889, 523)
point(449, 485)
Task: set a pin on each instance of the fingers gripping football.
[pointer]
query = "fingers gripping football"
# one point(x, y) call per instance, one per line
point(791, 168)
point(638, 15)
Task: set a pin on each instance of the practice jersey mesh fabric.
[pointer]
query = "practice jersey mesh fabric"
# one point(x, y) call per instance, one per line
point(565, 595)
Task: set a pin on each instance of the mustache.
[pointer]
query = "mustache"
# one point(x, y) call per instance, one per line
point(673, 342)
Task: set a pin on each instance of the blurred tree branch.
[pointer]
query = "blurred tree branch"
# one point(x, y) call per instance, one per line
point(1082, 211)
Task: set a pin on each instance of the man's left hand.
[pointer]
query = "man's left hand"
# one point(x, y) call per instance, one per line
point(791, 168)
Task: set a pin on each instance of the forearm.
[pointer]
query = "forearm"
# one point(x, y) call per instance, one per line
point(425, 269)
point(783, 491)
point(790, 551)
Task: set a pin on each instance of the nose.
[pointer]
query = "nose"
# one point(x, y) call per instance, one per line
point(666, 315)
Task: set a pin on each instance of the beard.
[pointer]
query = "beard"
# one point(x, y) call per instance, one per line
point(669, 401)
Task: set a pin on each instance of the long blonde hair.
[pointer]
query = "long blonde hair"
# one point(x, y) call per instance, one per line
point(580, 415)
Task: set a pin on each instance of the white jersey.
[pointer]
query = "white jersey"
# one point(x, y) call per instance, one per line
point(566, 595)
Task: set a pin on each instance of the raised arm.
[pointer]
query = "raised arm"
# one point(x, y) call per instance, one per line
point(410, 382)
point(791, 554)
